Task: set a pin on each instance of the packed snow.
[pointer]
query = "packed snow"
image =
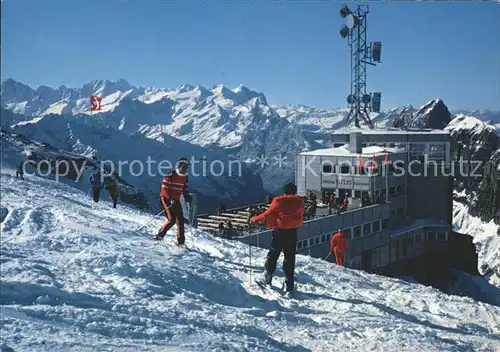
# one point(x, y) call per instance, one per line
point(78, 275)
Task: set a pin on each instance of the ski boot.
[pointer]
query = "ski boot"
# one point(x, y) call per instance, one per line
point(159, 236)
point(265, 279)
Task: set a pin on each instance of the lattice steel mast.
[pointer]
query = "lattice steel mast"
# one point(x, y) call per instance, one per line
point(360, 103)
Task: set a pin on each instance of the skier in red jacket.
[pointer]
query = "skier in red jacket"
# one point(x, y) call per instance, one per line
point(339, 245)
point(173, 186)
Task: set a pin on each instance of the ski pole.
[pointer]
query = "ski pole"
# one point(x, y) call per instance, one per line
point(328, 255)
point(192, 215)
point(140, 227)
point(250, 260)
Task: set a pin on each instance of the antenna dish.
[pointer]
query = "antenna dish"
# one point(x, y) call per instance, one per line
point(352, 21)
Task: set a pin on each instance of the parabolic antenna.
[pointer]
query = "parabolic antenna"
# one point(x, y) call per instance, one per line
point(352, 21)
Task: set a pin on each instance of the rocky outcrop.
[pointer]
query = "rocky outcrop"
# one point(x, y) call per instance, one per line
point(488, 197)
point(477, 146)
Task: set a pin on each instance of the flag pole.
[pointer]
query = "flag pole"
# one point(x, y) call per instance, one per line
point(92, 126)
point(386, 162)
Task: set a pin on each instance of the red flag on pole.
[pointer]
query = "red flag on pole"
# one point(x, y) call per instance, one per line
point(95, 101)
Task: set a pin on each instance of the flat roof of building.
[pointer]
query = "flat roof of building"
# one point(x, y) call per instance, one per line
point(393, 131)
point(344, 151)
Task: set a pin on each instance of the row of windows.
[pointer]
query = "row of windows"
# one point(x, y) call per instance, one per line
point(355, 232)
point(429, 236)
point(313, 241)
point(398, 250)
point(378, 169)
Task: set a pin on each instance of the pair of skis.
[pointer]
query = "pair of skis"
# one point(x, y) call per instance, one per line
point(273, 292)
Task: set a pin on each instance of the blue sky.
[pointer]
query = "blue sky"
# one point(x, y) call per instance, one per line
point(289, 50)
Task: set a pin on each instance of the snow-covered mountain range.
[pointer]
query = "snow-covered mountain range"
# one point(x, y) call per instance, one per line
point(79, 276)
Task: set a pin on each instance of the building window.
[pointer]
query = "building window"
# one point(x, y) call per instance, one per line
point(357, 194)
point(366, 229)
point(323, 238)
point(417, 151)
point(357, 232)
point(299, 245)
point(441, 236)
point(316, 240)
point(311, 242)
point(418, 238)
point(304, 244)
point(385, 224)
point(328, 237)
point(347, 233)
point(327, 169)
point(344, 169)
point(376, 226)
point(437, 152)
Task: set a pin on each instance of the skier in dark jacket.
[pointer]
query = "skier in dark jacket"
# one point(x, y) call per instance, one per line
point(284, 215)
point(95, 181)
point(112, 189)
point(20, 170)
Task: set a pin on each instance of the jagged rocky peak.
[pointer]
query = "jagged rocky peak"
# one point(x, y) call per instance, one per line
point(434, 115)
point(15, 91)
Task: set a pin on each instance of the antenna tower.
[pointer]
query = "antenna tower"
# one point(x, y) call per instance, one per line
point(360, 103)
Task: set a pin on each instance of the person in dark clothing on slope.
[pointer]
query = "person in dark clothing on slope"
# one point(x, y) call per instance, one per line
point(20, 170)
point(284, 215)
point(173, 186)
point(95, 181)
point(112, 189)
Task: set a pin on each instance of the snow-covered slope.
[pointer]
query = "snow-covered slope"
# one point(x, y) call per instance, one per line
point(72, 168)
point(78, 276)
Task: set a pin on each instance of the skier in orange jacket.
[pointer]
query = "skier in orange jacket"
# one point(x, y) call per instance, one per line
point(284, 216)
point(339, 245)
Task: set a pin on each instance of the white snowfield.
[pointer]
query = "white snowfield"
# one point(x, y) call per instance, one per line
point(77, 276)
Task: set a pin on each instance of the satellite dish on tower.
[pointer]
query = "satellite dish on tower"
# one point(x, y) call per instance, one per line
point(352, 21)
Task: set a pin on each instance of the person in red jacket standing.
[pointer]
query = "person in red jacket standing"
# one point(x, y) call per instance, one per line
point(339, 245)
point(173, 186)
point(284, 216)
